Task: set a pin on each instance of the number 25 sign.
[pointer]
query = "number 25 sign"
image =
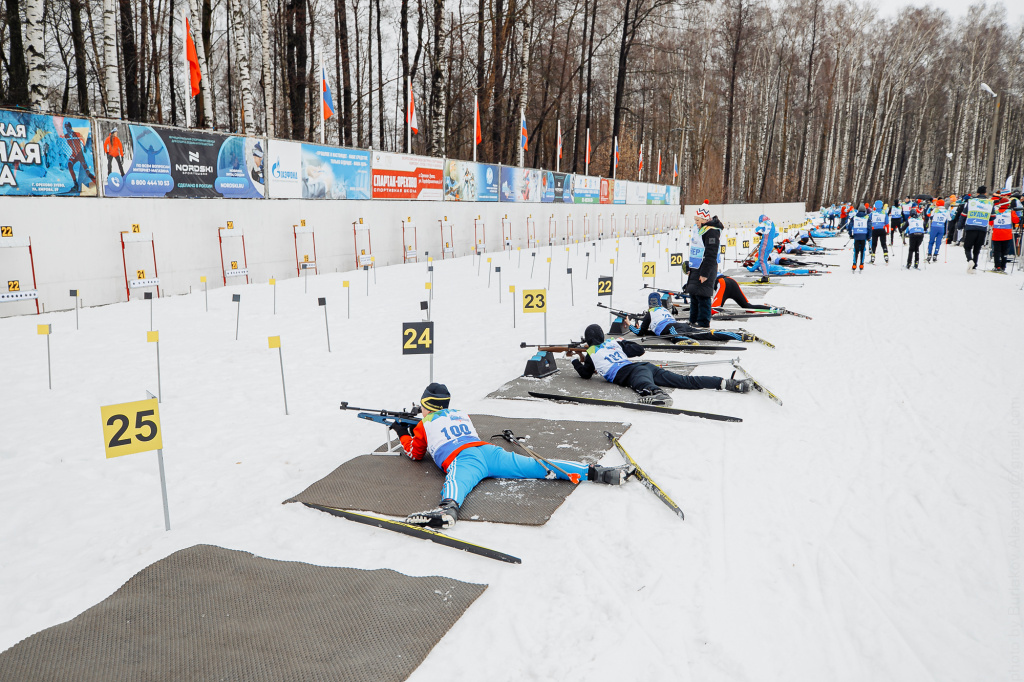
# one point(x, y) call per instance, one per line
point(129, 428)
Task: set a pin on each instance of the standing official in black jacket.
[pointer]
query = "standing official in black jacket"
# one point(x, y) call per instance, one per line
point(703, 266)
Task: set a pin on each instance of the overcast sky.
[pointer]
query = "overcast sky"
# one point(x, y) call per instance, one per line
point(1014, 9)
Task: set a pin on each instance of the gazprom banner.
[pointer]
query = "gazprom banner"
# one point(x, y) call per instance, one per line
point(145, 161)
point(404, 176)
point(520, 185)
point(469, 181)
point(308, 171)
point(587, 190)
point(46, 155)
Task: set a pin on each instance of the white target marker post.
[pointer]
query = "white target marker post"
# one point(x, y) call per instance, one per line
point(497, 269)
point(572, 292)
point(536, 301)
point(148, 295)
point(206, 293)
point(237, 298)
point(154, 337)
point(129, 428)
point(348, 292)
point(275, 342)
point(74, 294)
point(45, 330)
point(549, 272)
point(512, 290)
point(323, 302)
point(490, 270)
point(273, 283)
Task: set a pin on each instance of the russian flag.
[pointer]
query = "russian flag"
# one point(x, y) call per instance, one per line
point(616, 152)
point(559, 139)
point(522, 127)
point(328, 100)
point(675, 167)
point(414, 126)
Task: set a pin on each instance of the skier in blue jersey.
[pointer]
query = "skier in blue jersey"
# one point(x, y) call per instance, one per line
point(939, 219)
point(765, 228)
point(877, 221)
point(860, 232)
point(611, 359)
point(450, 438)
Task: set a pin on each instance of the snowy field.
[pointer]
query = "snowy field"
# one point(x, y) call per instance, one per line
point(867, 530)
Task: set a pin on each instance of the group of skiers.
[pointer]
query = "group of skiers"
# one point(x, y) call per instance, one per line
point(964, 220)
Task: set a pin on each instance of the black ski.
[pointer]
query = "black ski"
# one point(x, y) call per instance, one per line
point(417, 532)
point(644, 479)
point(633, 406)
point(758, 386)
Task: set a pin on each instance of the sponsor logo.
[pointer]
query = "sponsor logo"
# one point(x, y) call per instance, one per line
point(276, 172)
point(193, 157)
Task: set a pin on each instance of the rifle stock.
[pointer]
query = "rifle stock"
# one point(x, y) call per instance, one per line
point(569, 349)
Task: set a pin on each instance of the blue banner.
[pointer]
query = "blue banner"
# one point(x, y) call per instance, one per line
point(46, 155)
point(469, 181)
point(307, 171)
point(520, 185)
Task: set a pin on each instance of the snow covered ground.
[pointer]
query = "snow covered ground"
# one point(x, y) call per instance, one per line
point(867, 530)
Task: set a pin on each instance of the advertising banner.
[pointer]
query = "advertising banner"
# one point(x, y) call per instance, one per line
point(46, 155)
point(556, 187)
point(673, 199)
point(404, 176)
point(636, 193)
point(606, 190)
point(308, 171)
point(587, 189)
point(143, 161)
point(656, 194)
point(520, 185)
point(619, 191)
point(469, 181)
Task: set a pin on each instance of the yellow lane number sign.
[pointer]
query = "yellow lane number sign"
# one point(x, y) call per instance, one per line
point(129, 428)
point(535, 300)
point(418, 338)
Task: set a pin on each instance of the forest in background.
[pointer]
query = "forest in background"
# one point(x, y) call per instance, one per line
point(788, 100)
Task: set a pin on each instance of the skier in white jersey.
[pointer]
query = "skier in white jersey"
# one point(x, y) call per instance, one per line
point(450, 439)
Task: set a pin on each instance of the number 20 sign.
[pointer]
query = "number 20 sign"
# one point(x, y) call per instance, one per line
point(129, 428)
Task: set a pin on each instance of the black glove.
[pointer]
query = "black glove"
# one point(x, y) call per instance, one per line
point(400, 428)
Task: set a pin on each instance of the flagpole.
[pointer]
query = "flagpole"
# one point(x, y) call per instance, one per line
point(558, 157)
point(615, 164)
point(188, 73)
point(522, 124)
point(323, 113)
point(408, 117)
point(587, 171)
point(476, 122)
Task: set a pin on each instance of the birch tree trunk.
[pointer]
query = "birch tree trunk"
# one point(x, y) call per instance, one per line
point(268, 92)
point(35, 53)
point(204, 82)
point(113, 84)
point(524, 64)
point(242, 64)
point(437, 102)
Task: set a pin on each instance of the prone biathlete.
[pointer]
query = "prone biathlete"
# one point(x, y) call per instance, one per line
point(611, 359)
point(450, 439)
point(877, 221)
point(728, 289)
point(660, 322)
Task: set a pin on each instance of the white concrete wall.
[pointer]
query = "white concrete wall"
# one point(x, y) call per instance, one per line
point(746, 215)
point(76, 242)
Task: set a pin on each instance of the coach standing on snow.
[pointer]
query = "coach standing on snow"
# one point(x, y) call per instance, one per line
point(979, 214)
point(703, 266)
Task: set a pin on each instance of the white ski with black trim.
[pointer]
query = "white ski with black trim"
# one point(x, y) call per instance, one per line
point(758, 386)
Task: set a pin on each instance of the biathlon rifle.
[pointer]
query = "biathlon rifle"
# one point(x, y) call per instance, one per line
point(387, 417)
point(572, 348)
point(621, 313)
point(670, 292)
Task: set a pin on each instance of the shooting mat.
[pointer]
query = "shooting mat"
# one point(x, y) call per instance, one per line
point(209, 613)
point(394, 485)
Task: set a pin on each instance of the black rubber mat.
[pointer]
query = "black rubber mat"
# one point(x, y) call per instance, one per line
point(568, 382)
point(209, 613)
point(394, 485)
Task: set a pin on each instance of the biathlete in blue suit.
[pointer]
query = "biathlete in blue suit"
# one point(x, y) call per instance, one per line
point(659, 321)
point(449, 437)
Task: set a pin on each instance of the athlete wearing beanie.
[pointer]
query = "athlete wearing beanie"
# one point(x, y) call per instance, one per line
point(451, 440)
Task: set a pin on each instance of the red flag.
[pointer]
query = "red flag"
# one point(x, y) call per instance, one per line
point(588, 145)
point(413, 125)
point(479, 133)
point(659, 164)
point(195, 75)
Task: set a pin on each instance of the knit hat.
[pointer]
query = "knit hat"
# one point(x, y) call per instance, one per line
point(703, 211)
point(982, 189)
point(939, 202)
point(435, 397)
point(878, 204)
point(654, 299)
point(593, 335)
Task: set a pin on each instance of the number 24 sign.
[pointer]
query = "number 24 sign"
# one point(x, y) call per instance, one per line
point(129, 428)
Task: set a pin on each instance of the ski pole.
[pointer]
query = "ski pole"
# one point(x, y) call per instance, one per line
point(511, 438)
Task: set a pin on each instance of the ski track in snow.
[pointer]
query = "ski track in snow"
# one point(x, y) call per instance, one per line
point(864, 531)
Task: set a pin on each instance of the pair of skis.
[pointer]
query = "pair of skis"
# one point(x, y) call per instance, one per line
point(758, 386)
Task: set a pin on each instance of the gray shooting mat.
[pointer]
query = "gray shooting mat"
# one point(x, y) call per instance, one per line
point(567, 382)
point(394, 485)
point(209, 613)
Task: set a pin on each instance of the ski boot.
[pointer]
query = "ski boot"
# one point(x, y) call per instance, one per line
point(659, 397)
point(872, 259)
point(855, 267)
point(861, 266)
point(610, 475)
point(737, 385)
point(886, 258)
point(442, 516)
